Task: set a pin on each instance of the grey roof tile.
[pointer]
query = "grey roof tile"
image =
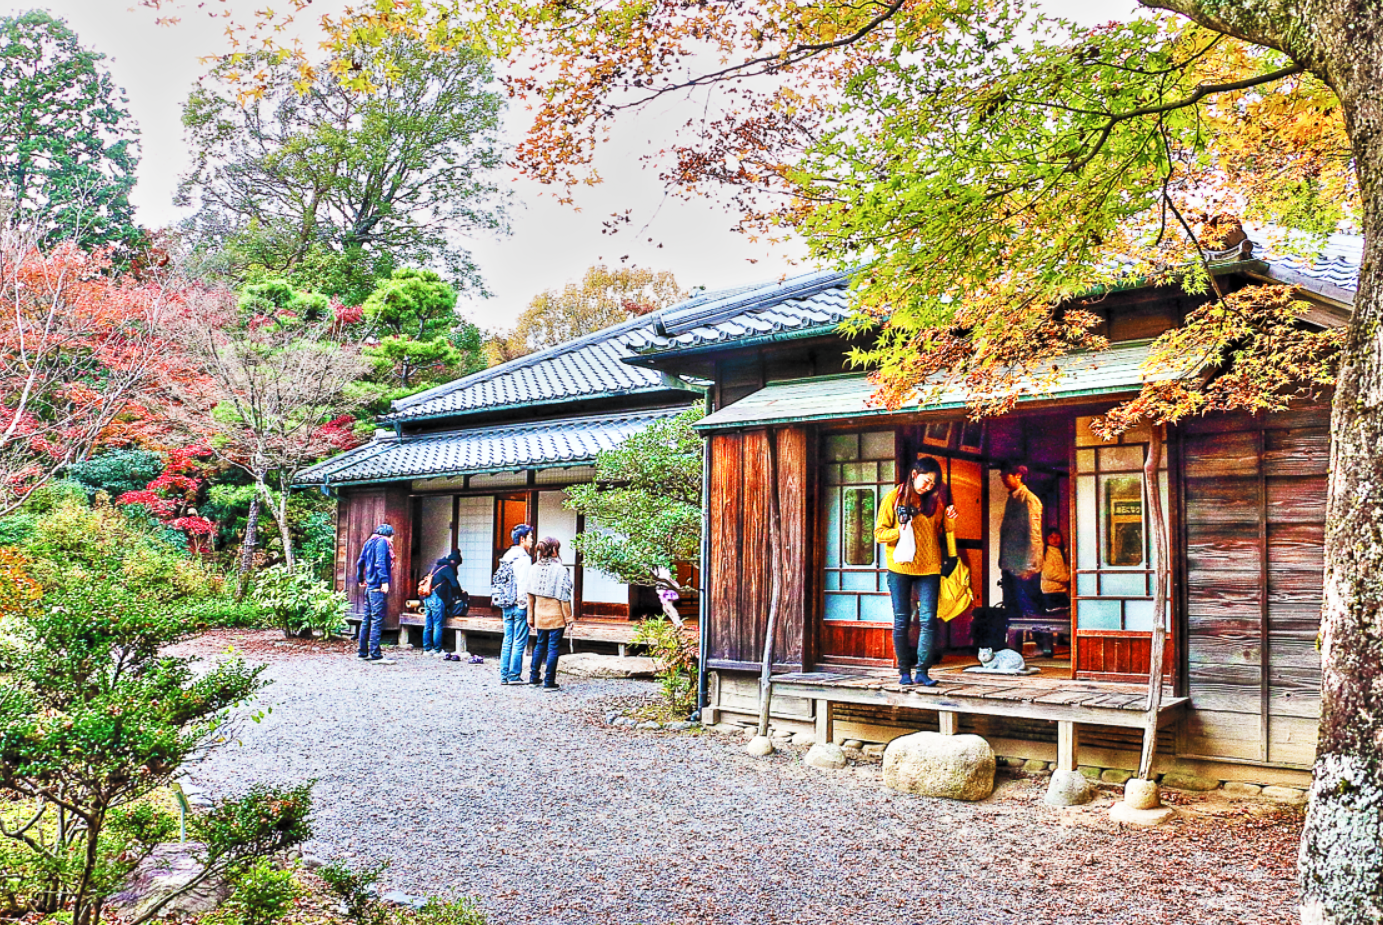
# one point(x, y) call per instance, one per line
point(560, 442)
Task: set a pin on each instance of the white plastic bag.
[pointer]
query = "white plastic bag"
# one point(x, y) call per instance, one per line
point(907, 544)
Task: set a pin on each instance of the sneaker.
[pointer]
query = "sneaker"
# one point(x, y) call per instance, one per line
point(552, 687)
point(381, 660)
point(504, 681)
point(362, 656)
point(476, 660)
point(535, 681)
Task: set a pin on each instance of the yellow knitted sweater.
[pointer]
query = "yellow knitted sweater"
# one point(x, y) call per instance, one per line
point(926, 531)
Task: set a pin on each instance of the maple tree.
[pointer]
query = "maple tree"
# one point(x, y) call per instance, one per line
point(602, 298)
point(79, 346)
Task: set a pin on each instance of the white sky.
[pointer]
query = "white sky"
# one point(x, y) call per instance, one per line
point(551, 245)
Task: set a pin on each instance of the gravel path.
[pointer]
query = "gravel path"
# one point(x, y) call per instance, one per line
point(530, 802)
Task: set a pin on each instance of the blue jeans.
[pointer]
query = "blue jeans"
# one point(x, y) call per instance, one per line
point(372, 625)
point(900, 588)
point(547, 648)
point(515, 645)
point(432, 628)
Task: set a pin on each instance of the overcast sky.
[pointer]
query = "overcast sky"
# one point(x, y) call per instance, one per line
point(551, 245)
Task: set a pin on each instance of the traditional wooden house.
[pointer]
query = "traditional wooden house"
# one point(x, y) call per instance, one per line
point(458, 466)
point(1246, 503)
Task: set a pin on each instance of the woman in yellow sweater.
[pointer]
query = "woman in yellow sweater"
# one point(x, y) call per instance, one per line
point(921, 505)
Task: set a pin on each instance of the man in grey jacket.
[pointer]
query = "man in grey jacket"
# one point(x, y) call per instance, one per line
point(1020, 540)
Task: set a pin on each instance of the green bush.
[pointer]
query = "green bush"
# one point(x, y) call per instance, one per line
point(456, 912)
point(296, 602)
point(356, 890)
point(224, 612)
point(261, 894)
point(674, 660)
point(117, 471)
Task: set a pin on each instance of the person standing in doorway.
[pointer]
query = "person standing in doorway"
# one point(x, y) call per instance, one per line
point(509, 595)
point(1020, 541)
point(549, 610)
point(921, 506)
point(373, 571)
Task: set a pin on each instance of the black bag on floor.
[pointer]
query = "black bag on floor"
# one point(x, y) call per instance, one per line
point(989, 628)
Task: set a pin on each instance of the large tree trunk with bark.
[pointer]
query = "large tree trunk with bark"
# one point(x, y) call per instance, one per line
point(1342, 845)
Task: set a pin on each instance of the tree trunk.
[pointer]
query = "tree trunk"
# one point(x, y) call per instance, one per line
point(247, 549)
point(1342, 844)
point(775, 585)
point(279, 513)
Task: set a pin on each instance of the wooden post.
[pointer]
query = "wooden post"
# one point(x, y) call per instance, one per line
point(775, 584)
point(1152, 478)
point(825, 722)
point(1067, 745)
point(948, 722)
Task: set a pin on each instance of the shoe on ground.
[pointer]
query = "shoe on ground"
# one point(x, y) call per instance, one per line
point(504, 681)
point(362, 656)
point(905, 679)
point(552, 687)
point(924, 679)
point(381, 660)
point(535, 681)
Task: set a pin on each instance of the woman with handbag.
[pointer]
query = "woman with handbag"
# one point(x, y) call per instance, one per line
point(438, 590)
point(912, 519)
point(549, 610)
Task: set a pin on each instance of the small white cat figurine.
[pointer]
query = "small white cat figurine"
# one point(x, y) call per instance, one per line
point(1003, 660)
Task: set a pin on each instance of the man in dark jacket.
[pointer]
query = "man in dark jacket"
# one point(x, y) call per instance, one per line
point(373, 570)
point(446, 588)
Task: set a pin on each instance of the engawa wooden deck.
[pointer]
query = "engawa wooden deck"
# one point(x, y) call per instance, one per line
point(619, 633)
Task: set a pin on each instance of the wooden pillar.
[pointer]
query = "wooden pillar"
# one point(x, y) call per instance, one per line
point(948, 722)
point(825, 722)
point(1067, 745)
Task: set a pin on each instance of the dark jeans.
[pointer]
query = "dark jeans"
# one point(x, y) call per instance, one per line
point(432, 628)
point(546, 649)
point(1017, 600)
point(900, 588)
point(372, 624)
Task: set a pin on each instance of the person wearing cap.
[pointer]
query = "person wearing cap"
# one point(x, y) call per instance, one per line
point(373, 570)
point(1020, 540)
point(515, 644)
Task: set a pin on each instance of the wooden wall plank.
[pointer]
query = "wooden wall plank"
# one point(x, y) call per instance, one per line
point(1297, 452)
point(1292, 740)
point(792, 508)
point(755, 536)
point(1296, 500)
point(723, 607)
point(1222, 500)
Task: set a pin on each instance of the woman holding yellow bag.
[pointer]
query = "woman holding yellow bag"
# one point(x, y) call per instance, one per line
point(912, 519)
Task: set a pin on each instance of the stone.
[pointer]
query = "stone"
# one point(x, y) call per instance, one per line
point(594, 666)
point(167, 869)
point(400, 898)
point(1188, 780)
point(681, 726)
point(1141, 794)
point(610, 718)
point(726, 727)
point(1012, 762)
point(1116, 776)
point(854, 754)
point(873, 750)
point(1033, 765)
point(826, 756)
point(312, 862)
point(1069, 788)
point(1238, 790)
point(1089, 771)
point(1122, 812)
point(958, 767)
point(852, 743)
point(760, 746)
point(1290, 795)
point(807, 739)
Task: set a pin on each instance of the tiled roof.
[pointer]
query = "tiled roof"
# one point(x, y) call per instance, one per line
point(582, 368)
point(1333, 273)
point(810, 302)
point(560, 442)
point(1117, 369)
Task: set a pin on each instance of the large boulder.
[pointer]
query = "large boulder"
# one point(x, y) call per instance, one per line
point(168, 869)
point(959, 767)
point(594, 666)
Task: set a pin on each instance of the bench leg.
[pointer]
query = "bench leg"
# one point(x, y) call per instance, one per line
point(825, 722)
point(461, 643)
point(623, 650)
point(1067, 745)
point(947, 722)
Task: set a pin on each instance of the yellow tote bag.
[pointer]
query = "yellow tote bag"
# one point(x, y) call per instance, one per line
point(956, 593)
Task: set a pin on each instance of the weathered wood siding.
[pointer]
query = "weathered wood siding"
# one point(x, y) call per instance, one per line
point(740, 579)
point(358, 513)
point(1254, 494)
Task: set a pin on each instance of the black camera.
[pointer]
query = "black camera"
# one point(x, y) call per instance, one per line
point(905, 513)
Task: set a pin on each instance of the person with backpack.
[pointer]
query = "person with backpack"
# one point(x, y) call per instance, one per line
point(506, 593)
point(373, 570)
point(438, 589)
point(549, 610)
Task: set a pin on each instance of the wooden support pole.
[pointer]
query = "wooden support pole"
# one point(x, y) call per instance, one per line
point(775, 586)
point(1067, 745)
point(1152, 472)
point(825, 722)
point(948, 722)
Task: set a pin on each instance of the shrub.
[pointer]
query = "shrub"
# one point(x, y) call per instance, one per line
point(222, 612)
point(456, 912)
point(674, 658)
point(261, 894)
point(117, 471)
point(295, 601)
point(356, 890)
